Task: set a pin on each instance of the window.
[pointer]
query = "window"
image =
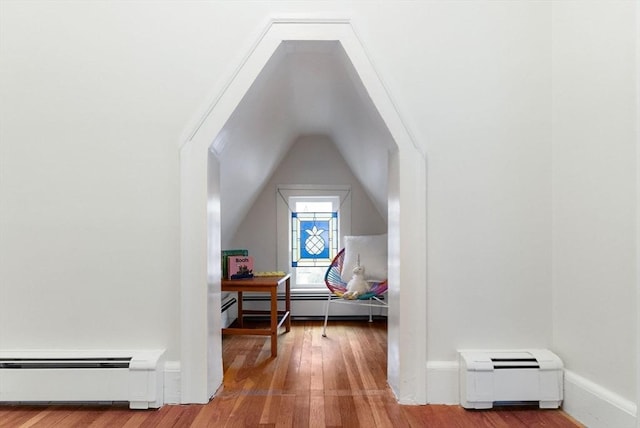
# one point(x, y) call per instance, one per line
point(311, 220)
point(314, 237)
point(314, 231)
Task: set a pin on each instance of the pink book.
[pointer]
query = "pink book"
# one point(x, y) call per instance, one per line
point(240, 267)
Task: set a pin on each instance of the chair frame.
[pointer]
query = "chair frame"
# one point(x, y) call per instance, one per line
point(337, 287)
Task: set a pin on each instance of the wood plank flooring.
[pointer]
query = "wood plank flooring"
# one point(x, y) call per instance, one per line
point(338, 381)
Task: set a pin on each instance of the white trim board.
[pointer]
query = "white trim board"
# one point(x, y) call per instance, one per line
point(637, 211)
point(596, 406)
point(172, 382)
point(443, 385)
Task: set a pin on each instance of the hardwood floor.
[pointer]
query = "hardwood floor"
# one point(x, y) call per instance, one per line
point(338, 381)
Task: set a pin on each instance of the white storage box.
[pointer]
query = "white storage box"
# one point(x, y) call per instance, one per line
point(510, 377)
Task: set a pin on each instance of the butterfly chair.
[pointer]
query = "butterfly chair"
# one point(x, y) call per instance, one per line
point(337, 287)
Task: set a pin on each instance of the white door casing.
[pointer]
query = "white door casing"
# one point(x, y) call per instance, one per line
point(201, 353)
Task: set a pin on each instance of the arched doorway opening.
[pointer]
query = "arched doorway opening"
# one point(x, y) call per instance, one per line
point(201, 359)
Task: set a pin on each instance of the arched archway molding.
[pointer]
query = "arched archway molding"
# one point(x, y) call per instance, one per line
point(201, 354)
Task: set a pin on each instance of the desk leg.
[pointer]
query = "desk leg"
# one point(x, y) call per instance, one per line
point(287, 302)
point(274, 322)
point(240, 315)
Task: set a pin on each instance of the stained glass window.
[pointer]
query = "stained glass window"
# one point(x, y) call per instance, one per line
point(314, 238)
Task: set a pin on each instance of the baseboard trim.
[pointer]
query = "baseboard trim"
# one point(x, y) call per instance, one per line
point(595, 406)
point(172, 393)
point(442, 382)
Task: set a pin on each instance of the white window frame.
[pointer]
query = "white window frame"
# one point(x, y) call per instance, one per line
point(284, 193)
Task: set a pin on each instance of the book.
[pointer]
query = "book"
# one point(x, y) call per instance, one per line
point(225, 256)
point(240, 267)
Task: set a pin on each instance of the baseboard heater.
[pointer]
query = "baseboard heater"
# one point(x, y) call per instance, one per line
point(84, 376)
point(489, 378)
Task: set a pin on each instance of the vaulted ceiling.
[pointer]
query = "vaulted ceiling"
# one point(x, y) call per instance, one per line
point(306, 88)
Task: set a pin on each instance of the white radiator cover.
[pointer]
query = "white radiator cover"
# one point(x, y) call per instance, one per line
point(66, 376)
point(502, 377)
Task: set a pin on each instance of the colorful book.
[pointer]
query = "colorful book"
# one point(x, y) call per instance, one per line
point(225, 262)
point(240, 267)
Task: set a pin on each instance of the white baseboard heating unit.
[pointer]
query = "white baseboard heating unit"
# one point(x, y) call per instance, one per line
point(86, 376)
point(489, 378)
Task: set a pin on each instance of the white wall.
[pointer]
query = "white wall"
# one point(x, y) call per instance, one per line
point(483, 97)
point(96, 97)
point(594, 194)
point(88, 218)
point(312, 159)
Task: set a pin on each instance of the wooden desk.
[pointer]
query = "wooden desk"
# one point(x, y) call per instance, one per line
point(264, 284)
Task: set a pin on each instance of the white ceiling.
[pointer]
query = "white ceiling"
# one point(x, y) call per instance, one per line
point(306, 88)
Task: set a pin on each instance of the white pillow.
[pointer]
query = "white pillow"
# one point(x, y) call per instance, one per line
point(373, 256)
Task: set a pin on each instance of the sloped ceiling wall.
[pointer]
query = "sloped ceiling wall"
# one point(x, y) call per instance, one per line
point(305, 88)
